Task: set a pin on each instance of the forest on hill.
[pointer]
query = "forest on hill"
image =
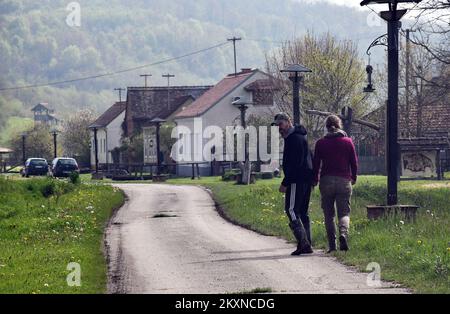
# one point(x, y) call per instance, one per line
point(38, 46)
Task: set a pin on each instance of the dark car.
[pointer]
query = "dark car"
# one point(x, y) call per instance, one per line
point(63, 167)
point(35, 167)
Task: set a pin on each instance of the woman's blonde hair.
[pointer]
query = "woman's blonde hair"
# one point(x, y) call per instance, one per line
point(333, 123)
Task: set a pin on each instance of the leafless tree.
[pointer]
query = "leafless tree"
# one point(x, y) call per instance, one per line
point(432, 28)
point(337, 78)
point(428, 86)
point(75, 135)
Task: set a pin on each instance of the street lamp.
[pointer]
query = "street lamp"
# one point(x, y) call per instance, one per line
point(369, 88)
point(242, 105)
point(24, 136)
point(54, 132)
point(157, 123)
point(294, 71)
point(95, 127)
point(392, 17)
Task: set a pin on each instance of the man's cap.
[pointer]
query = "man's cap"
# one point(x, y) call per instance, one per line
point(280, 117)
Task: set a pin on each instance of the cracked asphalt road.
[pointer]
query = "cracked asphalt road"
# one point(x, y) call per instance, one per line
point(170, 239)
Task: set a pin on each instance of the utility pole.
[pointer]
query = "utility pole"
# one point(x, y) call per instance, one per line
point(407, 69)
point(54, 132)
point(145, 76)
point(168, 76)
point(295, 75)
point(24, 158)
point(392, 17)
point(96, 149)
point(234, 39)
point(120, 92)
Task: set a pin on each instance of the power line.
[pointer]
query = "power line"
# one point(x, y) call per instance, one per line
point(368, 6)
point(116, 72)
point(279, 42)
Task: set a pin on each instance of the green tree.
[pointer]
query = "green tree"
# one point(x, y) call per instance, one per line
point(38, 143)
point(337, 77)
point(75, 135)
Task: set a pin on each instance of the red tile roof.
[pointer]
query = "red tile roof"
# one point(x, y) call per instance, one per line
point(165, 113)
point(146, 103)
point(263, 84)
point(109, 115)
point(215, 94)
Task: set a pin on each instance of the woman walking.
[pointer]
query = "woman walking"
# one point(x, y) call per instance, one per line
point(336, 163)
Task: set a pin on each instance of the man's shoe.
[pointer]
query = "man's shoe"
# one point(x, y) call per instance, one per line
point(343, 245)
point(307, 250)
point(332, 250)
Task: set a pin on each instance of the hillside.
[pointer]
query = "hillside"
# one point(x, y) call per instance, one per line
point(38, 46)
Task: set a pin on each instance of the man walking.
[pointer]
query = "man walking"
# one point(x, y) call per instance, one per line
point(297, 168)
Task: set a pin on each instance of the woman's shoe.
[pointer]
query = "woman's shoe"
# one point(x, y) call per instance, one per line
point(343, 245)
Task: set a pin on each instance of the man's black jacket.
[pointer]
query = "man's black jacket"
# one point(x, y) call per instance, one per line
point(297, 161)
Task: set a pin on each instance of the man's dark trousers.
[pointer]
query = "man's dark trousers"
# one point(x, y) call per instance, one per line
point(296, 205)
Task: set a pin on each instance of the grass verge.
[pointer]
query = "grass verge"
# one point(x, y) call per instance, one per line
point(415, 254)
point(45, 224)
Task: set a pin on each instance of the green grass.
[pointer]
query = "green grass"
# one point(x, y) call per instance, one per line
point(88, 178)
point(416, 254)
point(40, 236)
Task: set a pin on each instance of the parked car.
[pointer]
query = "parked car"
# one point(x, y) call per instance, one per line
point(63, 167)
point(35, 167)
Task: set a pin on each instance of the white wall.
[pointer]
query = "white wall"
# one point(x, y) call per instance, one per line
point(101, 139)
point(224, 114)
point(108, 138)
point(114, 130)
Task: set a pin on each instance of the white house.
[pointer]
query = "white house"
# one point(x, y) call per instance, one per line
point(109, 133)
point(215, 108)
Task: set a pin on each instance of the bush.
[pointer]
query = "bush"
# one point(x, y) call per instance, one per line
point(49, 188)
point(74, 178)
point(230, 175)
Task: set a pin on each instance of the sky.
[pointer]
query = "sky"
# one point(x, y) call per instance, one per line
point(356, 5)
point(350, 3)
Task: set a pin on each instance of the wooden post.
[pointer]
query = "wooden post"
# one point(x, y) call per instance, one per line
point(438, 165)
point(347, 119)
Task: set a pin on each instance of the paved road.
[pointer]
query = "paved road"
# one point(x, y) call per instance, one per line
point(196, 251)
